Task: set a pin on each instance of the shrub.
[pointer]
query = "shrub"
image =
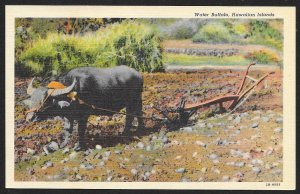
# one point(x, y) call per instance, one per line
point(213, 33)
point(263, 57)
point(182, 29)
point(127, 43)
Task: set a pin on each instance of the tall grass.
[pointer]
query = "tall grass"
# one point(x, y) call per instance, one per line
point(128, 43)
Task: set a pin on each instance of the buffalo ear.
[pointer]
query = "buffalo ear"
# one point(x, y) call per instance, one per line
point(27, 102)
point(63, 104)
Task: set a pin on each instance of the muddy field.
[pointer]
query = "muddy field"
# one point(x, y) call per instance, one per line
point(243, 146)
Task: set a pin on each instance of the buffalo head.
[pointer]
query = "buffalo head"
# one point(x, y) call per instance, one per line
point(45, 102)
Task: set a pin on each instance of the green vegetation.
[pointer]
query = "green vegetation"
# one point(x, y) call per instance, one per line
point(213, 33)
point(263, 56)
point(130, 43)
point(182, 59)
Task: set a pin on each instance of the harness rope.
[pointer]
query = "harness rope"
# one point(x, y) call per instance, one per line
point(118, 112)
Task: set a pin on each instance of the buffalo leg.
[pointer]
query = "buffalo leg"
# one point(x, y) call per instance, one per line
point(82, 124)
point(129, 119)
point(139, 114)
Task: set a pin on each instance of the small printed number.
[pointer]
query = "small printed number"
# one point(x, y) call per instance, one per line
point(272, 184)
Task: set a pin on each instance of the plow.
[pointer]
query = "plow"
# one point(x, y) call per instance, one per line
point(227, 103)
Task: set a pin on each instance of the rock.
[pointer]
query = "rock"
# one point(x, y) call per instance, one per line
point(244, 114)
point(30, 171)
point(101, 163)
point(184, 179)
point(256, 170)
point(240, 164)
point(265, 119)
point(200, 143)
point(178, 157)
point(204, 170)
point(187, 129)
point(66, 150)
point(209, 125)
point(98, 147)
point(236, 153)
point(47, 165)
point(78, 177)
point(180, 170)
point(246, 156)
point(200, 179)
point(268, 151)
point(140, 145)
point(86, 152)
point(53, 146)
point(201, 125)
point(149, 148)
point(73, 155)
point(30, 151)
point(46, 151)
point(216, 161)
point(230, 163)
point(118, 152)
point(278, 130)
point(213, 156)
point(279, 120)
point(194, 154)
point(237, 120)
point(257, 162)
point(217, 171)
point(107, 153)
point(64, 160)
point(109, 178)
point(133, 171)
point(225, 178)
point(87, 166)
point(165, 140)
point(277, 172)
point(255, 118)
point(254, 125)
point(153, 138)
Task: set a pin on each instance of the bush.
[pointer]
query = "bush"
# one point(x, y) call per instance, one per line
point(213, 33)
point(127, 43)
point(182, 29)
point(263, 57)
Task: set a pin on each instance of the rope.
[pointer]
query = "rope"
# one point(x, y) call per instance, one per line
point(118, 112)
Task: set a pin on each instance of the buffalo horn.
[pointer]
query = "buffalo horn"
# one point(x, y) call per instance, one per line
point(30, 88)
point(66, 90)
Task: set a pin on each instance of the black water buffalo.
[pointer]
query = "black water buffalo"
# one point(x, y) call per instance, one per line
point(92, 90)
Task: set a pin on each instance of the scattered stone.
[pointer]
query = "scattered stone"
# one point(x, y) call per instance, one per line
point(277, 171)
point(133, 171)
point(178, 157)
point(244, 114)
point(240, 164)
point(78, 177)
point(230, 163)
point(66, 150)
point(184, 179)
point(268, 151)
point(180, 170)
point(254, 125)
point(187, 129)
point(73, 155)
point(149, 148)
point(140, 145)
point(47, 165)
point(279, 120)
point(225, 178)
point(30, 171)
point(98, 147)
point(236, 153)
point(209, 125)
point(200, 143)
point(256, 170)
point(257, 162)
point(30, 151)
point(201, 125)
point(53, 146)
point(87, 166)
point(154, 137)
point(237, 120)
point(265, 119)
point(109, 178)
point(118, 152)
point(216, 161)
point(204, 170)
point(101, 163)
point(213, 156)
point(107, 153)
point(194, 154)
point(255, 118)
point(200, 179)
point(246, 156)
point(64, 160)
point(217, 171)
point(278, 130)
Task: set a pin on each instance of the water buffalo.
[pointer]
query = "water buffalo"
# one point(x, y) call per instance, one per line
point(90, 89)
